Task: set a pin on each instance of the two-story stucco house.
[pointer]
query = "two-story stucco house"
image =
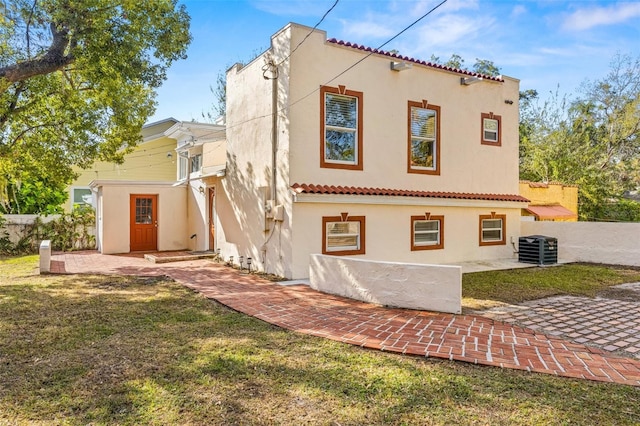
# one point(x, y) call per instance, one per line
point(340, 149)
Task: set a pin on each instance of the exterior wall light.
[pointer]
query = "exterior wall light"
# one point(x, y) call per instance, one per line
point(400, 66)
point(467, 81)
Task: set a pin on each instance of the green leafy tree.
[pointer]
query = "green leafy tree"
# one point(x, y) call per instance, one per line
point(455, 61)
point(486, 67)
point(78, 80)
point(481, 66)
point(592, 141)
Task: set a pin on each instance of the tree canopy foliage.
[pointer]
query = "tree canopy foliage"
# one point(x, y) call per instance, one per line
point(77, 82)
point(592, 141)
point(481, 66)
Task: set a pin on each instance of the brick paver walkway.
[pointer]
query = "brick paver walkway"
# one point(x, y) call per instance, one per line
point(467, 338)
point(611, 324)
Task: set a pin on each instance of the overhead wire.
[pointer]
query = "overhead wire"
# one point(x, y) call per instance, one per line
point(310, 32)
point(433, 9)
point(405, 29)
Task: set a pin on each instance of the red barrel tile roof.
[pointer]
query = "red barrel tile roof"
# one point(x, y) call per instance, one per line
point(354, 190)
point(413, 60)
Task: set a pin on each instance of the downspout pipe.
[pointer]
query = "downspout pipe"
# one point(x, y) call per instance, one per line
point(274, 131)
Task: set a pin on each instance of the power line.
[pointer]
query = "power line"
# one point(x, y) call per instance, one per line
point(310, 32)
point(372, 52)
point(405, 29)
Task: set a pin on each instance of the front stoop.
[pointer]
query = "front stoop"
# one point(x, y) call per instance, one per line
point(168, 257)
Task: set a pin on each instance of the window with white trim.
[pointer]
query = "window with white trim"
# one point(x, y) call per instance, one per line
point(426, 232)
point(491, 129)
point(341, 124)
point(196, 163)
point(183, 166)
point(492, 229)
point(424, 138)
point(343, 235)
point(81, 196)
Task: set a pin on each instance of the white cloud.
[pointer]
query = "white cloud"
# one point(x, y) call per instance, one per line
point(292, 7)
point(584, 19)
point(453, 31)
point(366, 30)
point(518, 10)
point(378, 24)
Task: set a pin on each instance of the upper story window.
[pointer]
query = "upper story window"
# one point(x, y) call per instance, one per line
point(424, 138)
point(341, 128)
point(343, 235)
point(196, 163)
point(183, 166)
point(493, 229)
point(491, 129)
point(427, 232)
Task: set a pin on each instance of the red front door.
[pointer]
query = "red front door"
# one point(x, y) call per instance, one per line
point(143, 222)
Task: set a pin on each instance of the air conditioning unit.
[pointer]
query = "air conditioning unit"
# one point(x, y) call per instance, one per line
point(538, 249)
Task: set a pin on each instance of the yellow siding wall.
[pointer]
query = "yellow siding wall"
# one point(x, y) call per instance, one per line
point(148, 162)
point(551, 193)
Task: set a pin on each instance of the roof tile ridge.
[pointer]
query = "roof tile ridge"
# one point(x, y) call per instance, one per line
point(413, 60)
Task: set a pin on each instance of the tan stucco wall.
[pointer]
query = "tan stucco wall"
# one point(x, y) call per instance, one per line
point(113, 215)
point(466, 165)
point(197, 215)
point(402, 285)
point(388, 233)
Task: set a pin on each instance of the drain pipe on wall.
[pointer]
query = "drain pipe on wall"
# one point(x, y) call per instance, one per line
point(272, 68)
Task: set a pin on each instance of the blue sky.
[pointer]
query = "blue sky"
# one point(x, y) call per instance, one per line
point(548, 45)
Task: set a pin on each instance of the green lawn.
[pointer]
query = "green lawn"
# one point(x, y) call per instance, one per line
point(486, 289)
point(115, 350)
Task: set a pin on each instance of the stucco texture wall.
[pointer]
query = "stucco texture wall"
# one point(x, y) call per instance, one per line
point(426, 287)
point(597, 242)
point(389, 233)
point(466, 164)
point(113, 216)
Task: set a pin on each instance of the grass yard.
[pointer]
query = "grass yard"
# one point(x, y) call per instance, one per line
point(126, 350)
point(487, 289)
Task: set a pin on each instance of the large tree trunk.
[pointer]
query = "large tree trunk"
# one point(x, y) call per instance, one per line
point(54, 59)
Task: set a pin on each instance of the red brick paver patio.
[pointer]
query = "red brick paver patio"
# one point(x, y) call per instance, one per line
point(468, 338)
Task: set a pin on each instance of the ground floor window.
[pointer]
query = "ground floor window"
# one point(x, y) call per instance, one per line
point(492, 229)
point(343, 235)
point(427, 232)
point(81, 196)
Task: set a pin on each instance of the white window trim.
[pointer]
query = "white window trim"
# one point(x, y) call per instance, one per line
point(494, 132)
point(183, 166)
point(72, 196)
point(344, 235)
point(426, 243)
point(500, 228)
